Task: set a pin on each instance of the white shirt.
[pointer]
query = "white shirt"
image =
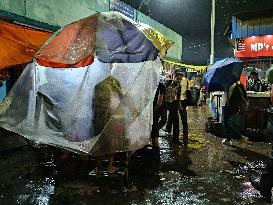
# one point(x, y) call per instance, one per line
point(184, 87)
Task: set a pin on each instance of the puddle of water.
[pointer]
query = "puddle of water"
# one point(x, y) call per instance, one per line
point(196, 141)
point(176, 184)
point(38, 192)
point(173, 187)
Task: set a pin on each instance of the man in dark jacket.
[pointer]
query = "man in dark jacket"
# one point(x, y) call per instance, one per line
point(254, 83)
point(235, 109)
point(160, 112)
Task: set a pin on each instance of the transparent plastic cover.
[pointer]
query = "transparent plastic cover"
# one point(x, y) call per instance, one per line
point(98, 109)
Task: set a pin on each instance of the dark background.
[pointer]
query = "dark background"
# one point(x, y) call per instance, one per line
point(191, 19)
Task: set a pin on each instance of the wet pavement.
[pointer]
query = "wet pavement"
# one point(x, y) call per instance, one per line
point(204, 172)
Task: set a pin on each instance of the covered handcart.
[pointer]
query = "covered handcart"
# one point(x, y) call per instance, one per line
point(90, 87)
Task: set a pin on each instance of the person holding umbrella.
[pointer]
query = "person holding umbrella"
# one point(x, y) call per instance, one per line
point(235, 109)
point(224, 75)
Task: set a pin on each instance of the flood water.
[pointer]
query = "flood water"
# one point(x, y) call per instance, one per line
point(204, 172)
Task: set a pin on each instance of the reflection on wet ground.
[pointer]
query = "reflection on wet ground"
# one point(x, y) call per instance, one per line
point(204, 172)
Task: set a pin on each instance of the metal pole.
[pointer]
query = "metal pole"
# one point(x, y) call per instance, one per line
point(138, 10)
point(212, 32)
point(25, 8)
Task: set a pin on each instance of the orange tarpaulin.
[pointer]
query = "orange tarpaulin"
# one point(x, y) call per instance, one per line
point(87, 61)
point(19, 44)
point(73, 46)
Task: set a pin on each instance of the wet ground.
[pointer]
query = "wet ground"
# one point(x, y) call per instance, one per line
point(204, 172)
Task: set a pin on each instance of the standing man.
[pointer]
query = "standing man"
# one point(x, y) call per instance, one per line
point(183, 112)
point(191, 84)
point(254, 83)
point(196, 90)
point(160, 112)
point(235, 108)
point(173, 104)
point(107, 96)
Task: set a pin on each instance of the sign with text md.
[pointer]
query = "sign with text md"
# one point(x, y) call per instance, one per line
point(254, 47)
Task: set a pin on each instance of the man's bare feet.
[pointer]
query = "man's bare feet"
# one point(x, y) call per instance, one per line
point(99, 169)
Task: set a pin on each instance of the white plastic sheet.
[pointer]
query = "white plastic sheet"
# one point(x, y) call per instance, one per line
point(55, 106)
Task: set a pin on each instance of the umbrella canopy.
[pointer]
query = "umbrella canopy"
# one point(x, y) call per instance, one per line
point(105, 105)
point(223, 74)
point(110, 37)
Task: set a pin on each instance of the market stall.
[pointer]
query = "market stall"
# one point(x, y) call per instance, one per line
point(253, 45)
point(258, 92)
point(256, 117)
point(81, 92)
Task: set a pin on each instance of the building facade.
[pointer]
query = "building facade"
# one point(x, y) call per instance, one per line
point(253, 35)
point(62, 12)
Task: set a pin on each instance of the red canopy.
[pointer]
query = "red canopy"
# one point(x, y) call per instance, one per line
point(72, 46)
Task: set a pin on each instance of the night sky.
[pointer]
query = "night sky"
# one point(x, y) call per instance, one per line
point(191, 19)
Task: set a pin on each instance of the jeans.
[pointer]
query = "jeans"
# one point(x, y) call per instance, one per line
point(234, 126)
point(173, 119)
point(196, 95)
point(159, 120)
point(184, 118)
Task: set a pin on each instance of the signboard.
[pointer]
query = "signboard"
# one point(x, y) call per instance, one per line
point(191, 70)
point(117, 5)
point(254, 47)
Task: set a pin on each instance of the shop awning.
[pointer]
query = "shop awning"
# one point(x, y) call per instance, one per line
point(18, 44)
